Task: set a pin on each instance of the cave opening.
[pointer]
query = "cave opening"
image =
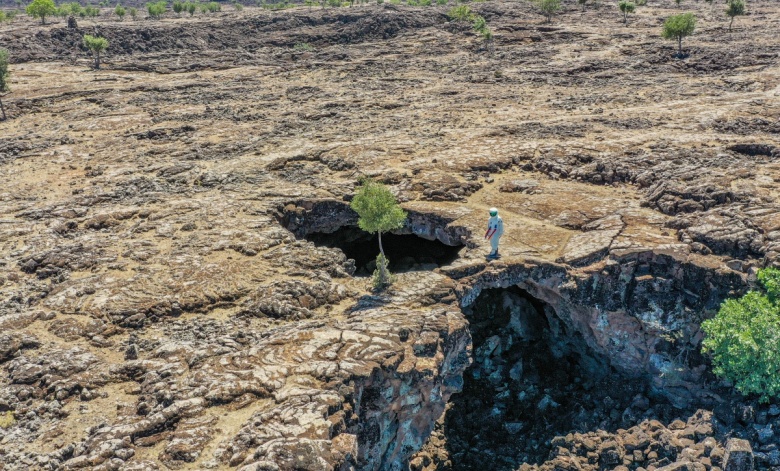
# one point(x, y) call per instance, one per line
point(532, 379)
point(405, 252)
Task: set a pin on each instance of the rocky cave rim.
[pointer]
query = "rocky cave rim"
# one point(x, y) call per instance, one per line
point(426, 241)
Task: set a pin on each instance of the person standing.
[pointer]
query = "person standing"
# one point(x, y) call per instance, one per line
point(494, 231)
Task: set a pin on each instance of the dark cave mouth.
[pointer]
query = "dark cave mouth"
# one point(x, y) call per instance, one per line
point(532, 379)
point(405, 252)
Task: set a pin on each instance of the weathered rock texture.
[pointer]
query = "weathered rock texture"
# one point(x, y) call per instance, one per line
point(161, 307)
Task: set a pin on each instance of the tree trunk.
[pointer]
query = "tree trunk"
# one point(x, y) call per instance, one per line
point(625, 18)
point(2, 109)
point(382, 273)
point(679, 47)
point(731, 23)
point(97, 60)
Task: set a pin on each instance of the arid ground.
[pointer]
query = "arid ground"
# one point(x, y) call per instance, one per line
point(174, 289)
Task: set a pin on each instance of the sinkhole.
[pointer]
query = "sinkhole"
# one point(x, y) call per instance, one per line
point(532, 379)
point(405, 252)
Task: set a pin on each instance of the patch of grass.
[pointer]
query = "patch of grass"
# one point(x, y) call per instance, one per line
point(7, 420)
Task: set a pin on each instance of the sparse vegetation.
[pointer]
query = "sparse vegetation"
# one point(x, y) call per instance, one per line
point(4, 77)
point(120, 12)
point(303, 47)
point(744, 339)
point(678, 27)
point(7, 420)
point(237, 6)
point(191, 8)
point(379, 212)
point(734, 9)
point(460, 13)
point(133, 13)
point(96, 44)
point(41, 9)
point(548, 8)
point(582, 4)
point(157, 9)
point(178, 7)
point(626, 7)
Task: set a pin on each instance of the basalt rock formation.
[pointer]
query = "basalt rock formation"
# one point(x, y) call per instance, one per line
point(184, 286)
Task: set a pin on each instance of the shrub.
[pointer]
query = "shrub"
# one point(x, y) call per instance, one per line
point(626, 7)
point(178, 7)
point(96, 44)
point(744, 339)
point(156, 9)
point(213, 7)
point(305, 47)
point(548, 8)
point(237, 6)
point(41, 9)
point(734, 9)
point(4, 77)
point(91, 12)
point(441, 2)
point(7, 420)
point(677, 27)
point(378, 212)
point(460, 13)
point(120, 12)
point(133, 13)
point(191, 8)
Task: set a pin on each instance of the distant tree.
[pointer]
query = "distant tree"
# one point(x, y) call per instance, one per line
point(133, 13)
point(735, 8)
point(96, 44)
point(626, 7)
point(548, 8)
point(156, 9)
point(41, 9)
point(378, 212)
point(120, 12)
point(4, 77)
point(678, 27)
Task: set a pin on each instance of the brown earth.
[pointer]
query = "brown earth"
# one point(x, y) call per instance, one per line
point(162, 308)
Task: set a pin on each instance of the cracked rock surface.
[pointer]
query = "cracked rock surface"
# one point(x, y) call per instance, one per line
point(162, 308)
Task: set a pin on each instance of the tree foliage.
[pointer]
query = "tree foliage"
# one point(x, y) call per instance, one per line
point(678, 27)
point(120, 12)
point(156, 9)
point(378, 212)
point(96, 44)
point(626, 7)
point(41, 9)
point(744, 339)
point(548, 8)
point(734, 9)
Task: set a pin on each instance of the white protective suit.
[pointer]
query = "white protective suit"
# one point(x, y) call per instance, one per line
point(497, 224)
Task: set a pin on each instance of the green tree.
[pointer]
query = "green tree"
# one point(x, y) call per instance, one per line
point(734, 9)
point(626, 7)
point(133, 13)
point(192, 8)
point(548, 8)
point(41, 9)
point(156, 9)
point(96, 44)
point(178, 7)
point(120, 12)
point(378, 212)
point(4, 77)
point(677, 27)
point(744, 339)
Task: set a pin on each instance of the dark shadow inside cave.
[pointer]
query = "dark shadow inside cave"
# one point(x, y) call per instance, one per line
point(532, 379)
point(406, 252)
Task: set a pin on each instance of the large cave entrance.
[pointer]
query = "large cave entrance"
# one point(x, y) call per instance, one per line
point(532, 379)
point(406, 252)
